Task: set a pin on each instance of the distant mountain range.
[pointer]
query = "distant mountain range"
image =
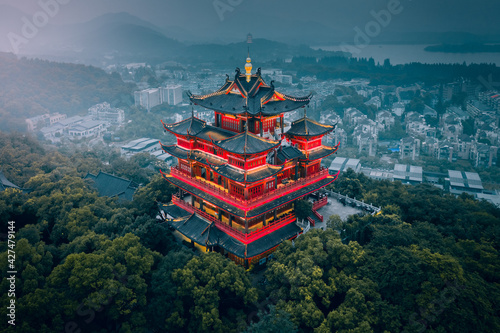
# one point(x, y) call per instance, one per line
point(117, 37)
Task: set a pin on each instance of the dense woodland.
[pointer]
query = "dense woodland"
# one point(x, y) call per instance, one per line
point(31, 87)
point(429, 261)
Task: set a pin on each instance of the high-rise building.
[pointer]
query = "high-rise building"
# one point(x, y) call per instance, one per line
point(237, 180)
point(171, 94)
point(148, 98)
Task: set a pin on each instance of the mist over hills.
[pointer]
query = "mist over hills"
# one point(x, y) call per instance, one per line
point(125, 37)
point(33, 87)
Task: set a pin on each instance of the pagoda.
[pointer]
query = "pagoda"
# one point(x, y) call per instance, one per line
point(239, 177)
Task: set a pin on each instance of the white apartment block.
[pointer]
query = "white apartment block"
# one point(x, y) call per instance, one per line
point(172, 94)
point(148, 98)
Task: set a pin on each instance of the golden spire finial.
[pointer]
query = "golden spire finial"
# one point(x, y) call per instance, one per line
point(248, 66)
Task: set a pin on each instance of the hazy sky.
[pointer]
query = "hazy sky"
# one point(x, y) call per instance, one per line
point(479, 16)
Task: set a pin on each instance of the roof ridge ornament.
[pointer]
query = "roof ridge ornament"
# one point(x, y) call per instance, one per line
point(248, 66)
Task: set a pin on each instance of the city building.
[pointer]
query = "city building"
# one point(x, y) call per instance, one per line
point(385, 120)
point(460, 182)
point(142, 145)
point(375, 101)
point(44, 120)
point(341, 164)
point(86, 129)
point(148, 98)
point(408, 174)
point(377, 174)
point(237, 185)
point(398, 109)
point(409, 148)
point(171, 94)
point(105, 112)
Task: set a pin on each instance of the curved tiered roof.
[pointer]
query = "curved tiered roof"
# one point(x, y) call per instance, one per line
point(321, 152)
point(246, 143)
point(252, 97)
point(191, 125)
point(306, 127)
point(198, 128)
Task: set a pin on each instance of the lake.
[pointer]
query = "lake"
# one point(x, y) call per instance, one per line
point(403, 54)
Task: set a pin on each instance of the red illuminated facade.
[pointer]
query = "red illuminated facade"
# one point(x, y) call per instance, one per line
point(239, 177)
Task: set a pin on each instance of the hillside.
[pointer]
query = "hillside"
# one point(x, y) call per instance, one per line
point(33, 87)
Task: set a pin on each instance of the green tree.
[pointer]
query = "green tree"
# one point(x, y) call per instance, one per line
point(274, 321)
point(212, 295)
point(303, 209)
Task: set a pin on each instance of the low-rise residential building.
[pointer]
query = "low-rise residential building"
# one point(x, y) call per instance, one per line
point(52, 133)
point(464, 147)
point(339, 136)
point(44, 120)
point(105, 112)
point(353, 116)
point(409, 148)
point(483, 155)
point(398, 109)
point(367, 143)
point(385, 120)
point(86, 129)
point(375, 101)
point(451, 126)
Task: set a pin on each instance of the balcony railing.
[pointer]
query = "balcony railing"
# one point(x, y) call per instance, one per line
point(282, 189)
point(318, 215)
point(241, 236)
point(320, 203)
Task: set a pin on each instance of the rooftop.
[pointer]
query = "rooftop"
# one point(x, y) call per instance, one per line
point(206, 233)
point(5, 183)
point(112, 186)
point(246, 143)
point(306, 127)
point(465, 180)
point(408, 173)
point(239, 96)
